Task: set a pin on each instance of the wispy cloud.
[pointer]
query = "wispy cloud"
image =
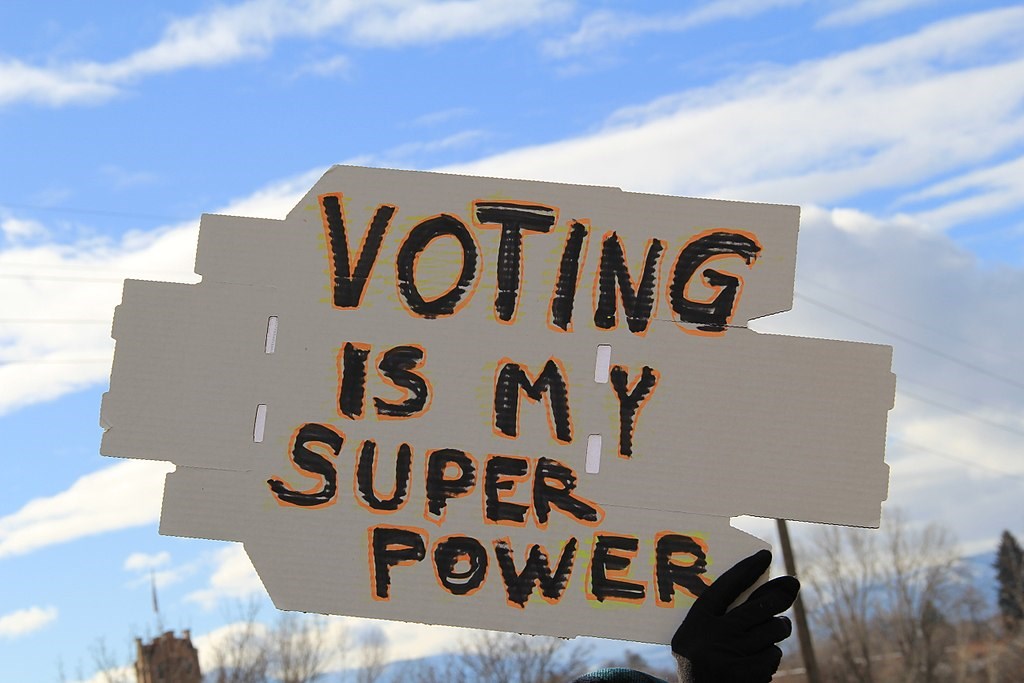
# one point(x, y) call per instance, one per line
point(16, 229)
point(144, 562)
point(890, 115)
point(131, 495)
point(339, 65)
point(863, 11)
point(247, 30)
point(442, 116)
point(603, 28)
point(53, 338)
point(971, 195)
point(400, 155)
point(233, 578)
point(123, 179)
point(25, 621)
point(49, 287)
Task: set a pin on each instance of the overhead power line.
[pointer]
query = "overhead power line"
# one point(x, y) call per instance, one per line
point(87, 211)
point(51, 361)
point(53, 321)
point(961, 413)
point(902, 317)
point(907, 340)
point(954, 458)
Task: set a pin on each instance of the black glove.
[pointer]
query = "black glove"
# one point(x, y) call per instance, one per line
point(737, 645)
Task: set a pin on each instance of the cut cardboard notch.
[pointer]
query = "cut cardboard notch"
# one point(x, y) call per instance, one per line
point(271, 343)
point(603, 363)
point(260, 423)
point(593, 462)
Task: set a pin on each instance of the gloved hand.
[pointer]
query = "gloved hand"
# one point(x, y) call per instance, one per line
point(738, 645)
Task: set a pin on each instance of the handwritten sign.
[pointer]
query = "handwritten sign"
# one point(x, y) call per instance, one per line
point(493, 403)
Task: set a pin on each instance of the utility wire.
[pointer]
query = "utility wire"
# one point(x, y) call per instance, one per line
point(59, 278)
point(93, 212)
point(962, 461)
point(957, 411)
point(51, 361)
point(895, 314)
point(81, 266)
point(52, 321)
point(907, 340)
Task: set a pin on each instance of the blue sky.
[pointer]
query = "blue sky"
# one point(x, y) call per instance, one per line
point(897, 125)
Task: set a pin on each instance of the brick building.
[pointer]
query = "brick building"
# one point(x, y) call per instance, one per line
point(167, 659)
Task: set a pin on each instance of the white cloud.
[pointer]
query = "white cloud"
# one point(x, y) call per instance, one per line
point(153, 570)
point(442, 116)
point(44, 352)
point(117, 673)
point(394, 24)
point(344, 638)
point(24, 621)
point(399, 155)
point(17, 229)
point(143, 562)
point(897, 283)
point(971, 195)
point(863, 11)
point(601, 28)
point(249, 29)
point(233, 578)
point(20, 82)
point(119, 496)
point(86, 284)
point(50, 282)
point(121, 178)
point(888, 116)
point(226, 638)
point(339, 65)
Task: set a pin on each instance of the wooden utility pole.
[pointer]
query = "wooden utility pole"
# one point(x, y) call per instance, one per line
point(803, 633)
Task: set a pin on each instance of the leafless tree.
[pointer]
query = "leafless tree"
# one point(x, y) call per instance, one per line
point(294, 649)
point(109, 667)
point(512, 658)
point(893, 603)
point(298, 647)
point(489, 657)
point(843, 576)
point(242, 655)
point(373, 655)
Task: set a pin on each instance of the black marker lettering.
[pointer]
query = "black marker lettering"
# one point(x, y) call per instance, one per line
point(519, 585)
point(560, 494)
point(366, 467)
point(440, 487)
point(637, 303)
point(349, 285)
point(353, 380)
point(307, 460)
point(497, 468)
point(415, 242)
point(447, 555)
point(606, 560)
point(630, 402)
point(710, 316)
point(669, 574)
point(512, 378)
point(396, 365)
point(390, 547)
point(513, 219)
point(568, 277)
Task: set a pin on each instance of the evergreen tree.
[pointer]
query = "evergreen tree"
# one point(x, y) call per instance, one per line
point(1010, 574)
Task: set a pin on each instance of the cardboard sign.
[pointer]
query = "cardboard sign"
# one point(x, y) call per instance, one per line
point(492, 403)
